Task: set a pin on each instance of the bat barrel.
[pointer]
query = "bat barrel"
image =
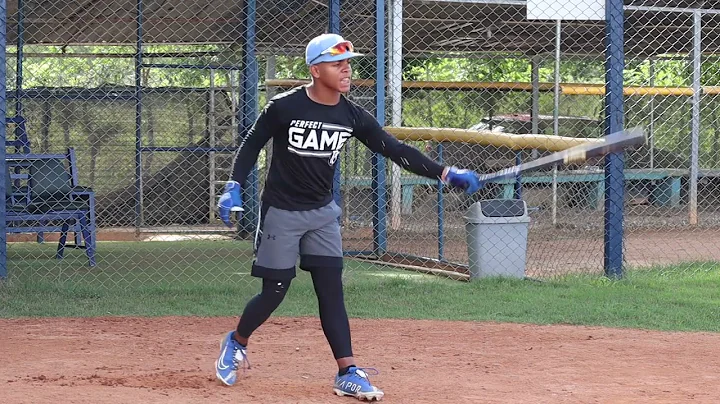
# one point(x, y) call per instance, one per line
point(612, 143)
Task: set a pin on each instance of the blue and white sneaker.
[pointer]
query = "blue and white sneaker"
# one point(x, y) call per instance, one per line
point(232, 356)
point(355, 383)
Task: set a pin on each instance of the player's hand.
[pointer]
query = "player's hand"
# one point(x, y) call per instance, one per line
point(230, 201)
point(464, 179)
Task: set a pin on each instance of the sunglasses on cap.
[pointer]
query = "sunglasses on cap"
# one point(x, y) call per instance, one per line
point(337, 49)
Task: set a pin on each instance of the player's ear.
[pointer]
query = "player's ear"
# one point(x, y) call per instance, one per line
point(315, 71)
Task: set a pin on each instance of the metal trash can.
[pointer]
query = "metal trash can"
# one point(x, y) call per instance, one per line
point(496, 231)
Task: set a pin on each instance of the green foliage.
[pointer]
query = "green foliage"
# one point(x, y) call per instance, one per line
point(103, 132)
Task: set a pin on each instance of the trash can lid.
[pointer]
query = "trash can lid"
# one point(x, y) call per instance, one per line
point(497, 208)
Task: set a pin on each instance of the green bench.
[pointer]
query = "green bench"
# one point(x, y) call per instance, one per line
point(407, 186)
point(666, 191)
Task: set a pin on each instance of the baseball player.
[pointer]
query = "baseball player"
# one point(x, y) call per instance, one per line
point(309, 126)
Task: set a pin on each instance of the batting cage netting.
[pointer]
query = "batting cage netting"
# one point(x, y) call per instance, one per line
point(122, 119)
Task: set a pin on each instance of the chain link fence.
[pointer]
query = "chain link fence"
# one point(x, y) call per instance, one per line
point(672, 218)
point(143, 104)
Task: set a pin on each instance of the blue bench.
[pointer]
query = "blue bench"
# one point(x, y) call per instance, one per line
point(407, 186)
point(666, 191)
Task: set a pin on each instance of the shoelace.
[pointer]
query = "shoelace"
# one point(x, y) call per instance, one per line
point(365, 370)
point(239, 355)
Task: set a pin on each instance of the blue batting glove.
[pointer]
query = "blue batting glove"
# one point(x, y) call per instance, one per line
point(230, 201)
point(463, 179)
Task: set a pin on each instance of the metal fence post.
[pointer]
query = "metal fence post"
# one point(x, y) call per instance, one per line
point(3, 134)
point(249, 112)
point(614, 175)
point(378, 161)
point(334, 28)
point(695, 140)
point(138, 114)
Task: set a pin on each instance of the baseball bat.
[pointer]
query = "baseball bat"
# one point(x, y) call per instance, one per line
point(614, 142)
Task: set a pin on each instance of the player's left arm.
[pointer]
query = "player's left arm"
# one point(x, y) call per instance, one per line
point(372, 135)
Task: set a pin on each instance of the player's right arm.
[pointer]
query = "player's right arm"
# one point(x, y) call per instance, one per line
point(244, 159)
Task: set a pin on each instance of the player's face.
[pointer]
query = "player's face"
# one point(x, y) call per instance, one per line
point(335, 75)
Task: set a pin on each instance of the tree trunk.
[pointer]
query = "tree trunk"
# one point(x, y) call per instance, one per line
point(45, 131)
point(191, 122)
point(67, 113)
point(148, 160)
point(94, 151)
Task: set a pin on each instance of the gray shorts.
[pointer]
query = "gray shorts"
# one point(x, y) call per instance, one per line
point(282, 236)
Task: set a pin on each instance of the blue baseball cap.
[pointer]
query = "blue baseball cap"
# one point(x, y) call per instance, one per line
point(329, 48)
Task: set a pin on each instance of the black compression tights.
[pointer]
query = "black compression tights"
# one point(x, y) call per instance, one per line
point(260, 307)
point(333, 316)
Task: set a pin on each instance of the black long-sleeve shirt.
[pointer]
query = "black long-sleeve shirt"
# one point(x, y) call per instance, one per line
point(307, 140)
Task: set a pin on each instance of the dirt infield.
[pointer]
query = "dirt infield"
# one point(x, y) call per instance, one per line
point(170, 360)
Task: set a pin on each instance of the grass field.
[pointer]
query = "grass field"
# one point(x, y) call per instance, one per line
point(209, 278)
